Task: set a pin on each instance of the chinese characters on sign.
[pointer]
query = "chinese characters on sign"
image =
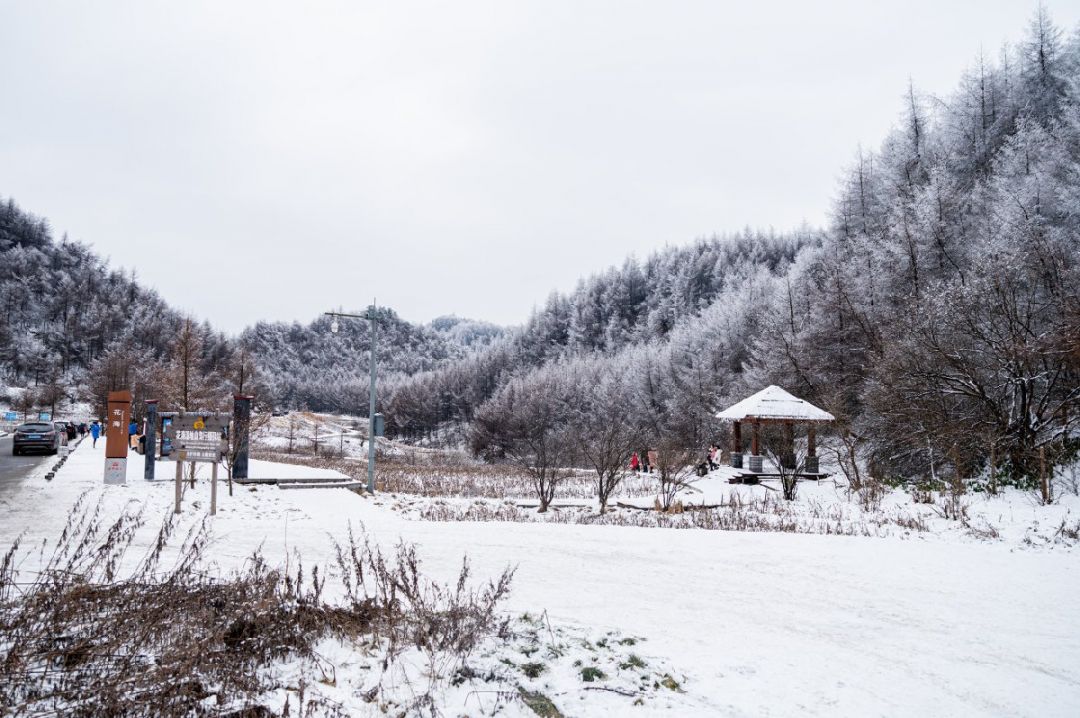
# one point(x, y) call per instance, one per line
point(116, 441)
point(198, 437)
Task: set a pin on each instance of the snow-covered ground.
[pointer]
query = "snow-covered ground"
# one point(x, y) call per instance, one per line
point(744, 623)
point(300, 431)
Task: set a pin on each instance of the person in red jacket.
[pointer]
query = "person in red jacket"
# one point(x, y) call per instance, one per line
point(635, 465)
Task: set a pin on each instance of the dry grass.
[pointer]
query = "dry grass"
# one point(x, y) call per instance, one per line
point(84, 638)
point(439, 474)
point(764, 514)
point(496, 490)
point(1067, 531)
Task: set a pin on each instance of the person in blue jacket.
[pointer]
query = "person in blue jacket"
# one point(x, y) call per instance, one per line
point(95, 432)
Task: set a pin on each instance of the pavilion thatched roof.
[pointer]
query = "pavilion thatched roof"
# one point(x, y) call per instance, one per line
point(774, 404)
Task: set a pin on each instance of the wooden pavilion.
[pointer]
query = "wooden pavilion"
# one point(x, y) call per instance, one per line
point(773, 405)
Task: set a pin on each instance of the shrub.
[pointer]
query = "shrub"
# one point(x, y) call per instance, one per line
point(85, 639)
point(592, 673)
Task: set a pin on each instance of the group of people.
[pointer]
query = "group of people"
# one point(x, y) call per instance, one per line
point(711, 462)
point(712, 458)
point(643, 461)
point(135, 438)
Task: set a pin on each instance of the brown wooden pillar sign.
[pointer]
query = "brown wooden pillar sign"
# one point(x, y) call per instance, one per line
point(116, 438)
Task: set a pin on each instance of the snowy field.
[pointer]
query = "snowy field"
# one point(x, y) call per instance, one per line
point(927, 623)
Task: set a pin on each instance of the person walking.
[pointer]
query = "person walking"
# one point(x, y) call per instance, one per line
point(635, 465)
point(133, 431)
point(95, 432)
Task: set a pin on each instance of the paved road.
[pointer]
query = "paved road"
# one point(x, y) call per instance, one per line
point(14, 469)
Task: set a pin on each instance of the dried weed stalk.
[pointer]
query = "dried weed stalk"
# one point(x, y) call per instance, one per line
point(94, 634)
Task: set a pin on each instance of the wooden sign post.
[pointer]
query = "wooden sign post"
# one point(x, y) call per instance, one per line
point(116, 438)
point(179, 484)
point(198, 438)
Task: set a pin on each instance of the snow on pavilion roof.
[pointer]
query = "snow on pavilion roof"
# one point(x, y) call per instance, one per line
point(772, 402)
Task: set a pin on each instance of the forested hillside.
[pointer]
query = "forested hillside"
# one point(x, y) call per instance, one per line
point(72, 328)
point(942, 314)
point(937, 316)
point(646, 304)
point(63, 307)
point(309, 366)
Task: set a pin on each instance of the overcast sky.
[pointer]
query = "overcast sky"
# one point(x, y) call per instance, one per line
point(273, 160)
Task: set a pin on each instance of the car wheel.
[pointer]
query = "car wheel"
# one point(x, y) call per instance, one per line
point(14, 451)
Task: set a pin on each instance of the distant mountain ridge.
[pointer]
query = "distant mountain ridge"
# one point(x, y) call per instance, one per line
point(63, 308)
point(309, 366)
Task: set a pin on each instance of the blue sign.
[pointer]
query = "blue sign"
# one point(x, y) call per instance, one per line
point(10, 416)
point(166, 440)
point(44, 416)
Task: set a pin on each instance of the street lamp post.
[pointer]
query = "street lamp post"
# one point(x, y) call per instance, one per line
point(334, 327)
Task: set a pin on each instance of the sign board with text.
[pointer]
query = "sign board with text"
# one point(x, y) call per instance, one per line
point(116, 444)
point(116, 423)
point(11, 416)
point(198, 437)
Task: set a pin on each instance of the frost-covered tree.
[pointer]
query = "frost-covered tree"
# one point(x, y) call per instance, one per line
point(602, 422)
point(526, 423)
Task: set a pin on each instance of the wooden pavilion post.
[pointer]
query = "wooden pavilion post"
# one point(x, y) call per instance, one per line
point(789, 445)
point(736, 445)
point(755, 448)
point(812, 466)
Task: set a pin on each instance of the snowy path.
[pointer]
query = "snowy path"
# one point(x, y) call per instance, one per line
point(761, 624)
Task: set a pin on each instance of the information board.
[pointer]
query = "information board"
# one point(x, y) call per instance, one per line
point(11, 416)
point(198, 437)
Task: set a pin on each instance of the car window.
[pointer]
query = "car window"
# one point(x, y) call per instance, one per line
point(36, 427)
